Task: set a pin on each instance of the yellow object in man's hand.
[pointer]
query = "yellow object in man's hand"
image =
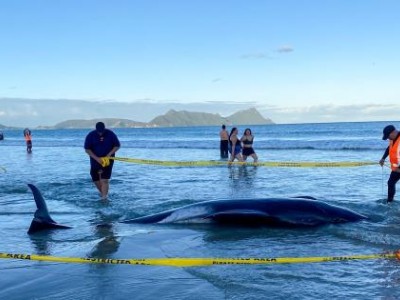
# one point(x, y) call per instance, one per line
point(105, 162)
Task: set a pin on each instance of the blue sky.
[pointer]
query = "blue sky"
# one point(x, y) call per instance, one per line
point(283, 57)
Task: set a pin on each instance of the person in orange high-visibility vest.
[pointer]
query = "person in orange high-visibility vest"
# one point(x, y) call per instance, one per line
point(28, 139)
point(393, 151)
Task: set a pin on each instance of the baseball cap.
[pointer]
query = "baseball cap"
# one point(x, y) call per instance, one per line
point(387, 131)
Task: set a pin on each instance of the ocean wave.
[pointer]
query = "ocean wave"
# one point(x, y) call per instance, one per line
point(266, 148)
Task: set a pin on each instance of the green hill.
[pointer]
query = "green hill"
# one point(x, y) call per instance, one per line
point(110, 122)
point(172, 118)
point(249, 116)
point(175, 118)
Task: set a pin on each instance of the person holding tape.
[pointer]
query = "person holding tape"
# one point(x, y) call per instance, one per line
point(393, 151)
point(99, 144)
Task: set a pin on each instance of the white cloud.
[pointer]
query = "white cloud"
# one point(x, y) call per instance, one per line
point(332, 113)
point(20, 111)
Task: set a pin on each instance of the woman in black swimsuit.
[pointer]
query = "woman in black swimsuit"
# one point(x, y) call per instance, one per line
point(247, 140)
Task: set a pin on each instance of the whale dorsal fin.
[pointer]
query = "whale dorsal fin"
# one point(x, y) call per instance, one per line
point(41, 212)
point(42, 219)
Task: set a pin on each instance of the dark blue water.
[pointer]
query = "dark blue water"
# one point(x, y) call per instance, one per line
point(60, 168)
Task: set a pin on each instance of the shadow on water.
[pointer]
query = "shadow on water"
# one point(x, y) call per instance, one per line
point(104, 230)
point(236, 233)
point(212, 232)
point(109, 243)
point(42, 242)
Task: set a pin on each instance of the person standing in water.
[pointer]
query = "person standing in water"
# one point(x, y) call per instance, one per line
point(247, 140)
point(235, 146)
point(224, 136)
point(393, 151)
point(101, 143)
point(28, 140)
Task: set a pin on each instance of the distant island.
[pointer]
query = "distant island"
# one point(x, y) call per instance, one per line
point(172, 118)
point(184, 118)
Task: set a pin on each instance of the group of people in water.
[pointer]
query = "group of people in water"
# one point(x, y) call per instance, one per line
point(239, 148)
point(27, 136)
point(28, 139)
point(103, 142)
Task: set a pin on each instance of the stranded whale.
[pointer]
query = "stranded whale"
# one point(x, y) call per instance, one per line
point(42, 219)
point(298, 211)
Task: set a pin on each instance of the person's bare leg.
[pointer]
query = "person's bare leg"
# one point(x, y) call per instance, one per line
point(98, 185)
point(102, 185)
point(239, 157)
point(105, 185)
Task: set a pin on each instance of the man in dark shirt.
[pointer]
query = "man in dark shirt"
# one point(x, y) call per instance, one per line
point(393, 151)
point(100, 143)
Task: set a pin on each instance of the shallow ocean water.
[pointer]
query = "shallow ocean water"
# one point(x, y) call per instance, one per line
point(59, 167)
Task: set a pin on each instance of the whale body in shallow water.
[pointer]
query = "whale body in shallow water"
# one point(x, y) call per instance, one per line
point(298, 211)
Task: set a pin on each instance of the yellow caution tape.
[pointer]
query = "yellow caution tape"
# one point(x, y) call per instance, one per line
point(206, 163)
point(197, 262)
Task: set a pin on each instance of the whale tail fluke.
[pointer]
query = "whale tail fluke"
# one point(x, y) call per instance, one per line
point(42, 219)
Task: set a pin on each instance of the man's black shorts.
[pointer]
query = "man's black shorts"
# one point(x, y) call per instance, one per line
point(104, 173)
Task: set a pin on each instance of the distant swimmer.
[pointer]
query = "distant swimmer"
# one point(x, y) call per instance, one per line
point(100, 143)
point(1, 136)
point(224, 137)
point(393, 151)
point(235, 146)
point(28, 139)
point(247, 141)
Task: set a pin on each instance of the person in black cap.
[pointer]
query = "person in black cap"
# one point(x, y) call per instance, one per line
point(393, 151)
point(101, 143)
